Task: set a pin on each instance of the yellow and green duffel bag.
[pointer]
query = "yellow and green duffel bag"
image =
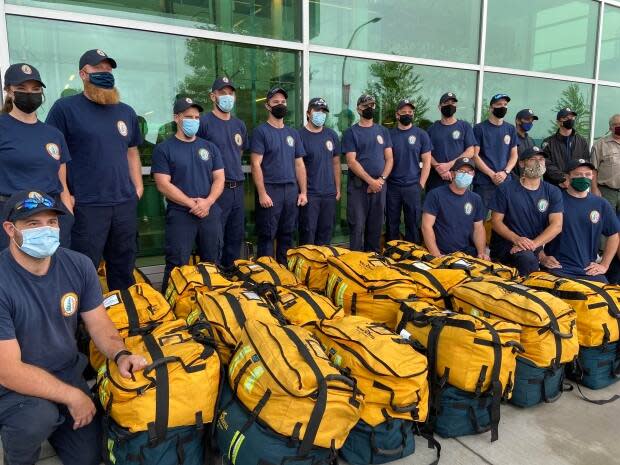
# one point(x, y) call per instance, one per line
point(186, 301)
point(402, 250)
point(179, 386)
point(366, 284)
point(596, 304)
point(301, 306)
point(388, 370)
point(138, 276)
point(283, 376)
point(476, 267)
point(202, 274)
point(138, 309)
point(220, 316)
point(265, 270)
point(309, 263)
point(549, 333)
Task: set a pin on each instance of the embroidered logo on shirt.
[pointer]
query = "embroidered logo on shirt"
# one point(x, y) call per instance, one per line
point(53, 150)
point(412, 140)
point(26, 69)
point(595, 216)
point(456, 134)
point(69, 304)
point(203, 154)
point(238, 139)
point(122, 128)
point(329, 144)
point(290, 141)
point(506, 139)
point(542, 205)
point(380, 139)
point(468, 208)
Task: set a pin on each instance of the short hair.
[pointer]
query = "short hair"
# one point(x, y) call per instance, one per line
point(613, 117)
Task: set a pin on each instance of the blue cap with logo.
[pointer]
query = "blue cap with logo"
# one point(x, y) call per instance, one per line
point(222, 82)
point(276, 90)
point(405, 102)
point(578, 162)
point(183, 104)
point(463, 161)
point(21, 72)
point(526, 113)
point(24, 204)
point(94, 57)
point(529, 153)
point(498, 97)
point(564, 112)
point(318, 103)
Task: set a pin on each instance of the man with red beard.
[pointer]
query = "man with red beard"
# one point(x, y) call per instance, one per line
point(104, 175)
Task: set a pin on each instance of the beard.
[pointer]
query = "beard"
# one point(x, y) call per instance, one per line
point(100, 95)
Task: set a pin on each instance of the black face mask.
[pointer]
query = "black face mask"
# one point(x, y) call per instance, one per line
point(368, 113)
point(500, 112)
point(448, 110)
point(405, 120)
point(279, 111)
point(28, 102)
point(568, 124)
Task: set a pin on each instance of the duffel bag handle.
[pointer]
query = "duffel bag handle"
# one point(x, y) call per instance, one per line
point(385, 452)
point(562, 335)
point(405, 408)
point(516, 346)
point(157, 363)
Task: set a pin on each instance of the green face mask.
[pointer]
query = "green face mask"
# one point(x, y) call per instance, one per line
point(581, 184)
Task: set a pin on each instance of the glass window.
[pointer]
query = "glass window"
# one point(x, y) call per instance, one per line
point(545, 97)
point(607, 104)
point(276, 19)
point(554, 36)
point(610, 46)
point(441, 29)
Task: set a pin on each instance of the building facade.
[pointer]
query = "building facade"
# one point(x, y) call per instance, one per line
point(545, 54)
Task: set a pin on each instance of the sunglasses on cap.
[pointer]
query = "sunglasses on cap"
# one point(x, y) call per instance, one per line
point(31, 204)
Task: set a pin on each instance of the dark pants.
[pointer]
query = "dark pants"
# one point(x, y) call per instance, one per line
point(278, 222)
point(111, 233)
point(525, 262)
point(613, 273)
point(233, 223)
point(365, 216)
point(183, 230)
point(601, 278)
point(407, 199)
point(434, 181)
point(487, 192)
point(316, 220)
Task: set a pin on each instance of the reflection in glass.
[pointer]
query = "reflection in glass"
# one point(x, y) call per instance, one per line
point(610, 45)
point(607, 104)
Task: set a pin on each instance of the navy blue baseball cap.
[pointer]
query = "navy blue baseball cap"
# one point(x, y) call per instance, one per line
point(405, 102)
point(497, 97)
point(276, 90)
point(21, 72)
point(24, 204)
point(463, 161)
point(183, 104)
point(565, 112)
point(526, 113)
point(364, 99)
point(318, 103)
point(529, 153)
point(447, 96)
point(576, 163)
point(94, 57)
point(222, 82)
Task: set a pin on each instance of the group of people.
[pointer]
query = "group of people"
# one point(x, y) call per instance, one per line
point(69, 189)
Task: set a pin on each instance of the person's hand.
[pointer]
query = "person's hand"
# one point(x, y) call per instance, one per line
point(139, 192)
point(338, 194)
point(128, 364)
point(564, 184)
point(265, 201)
point(550, 262)
point(302, 199)
point(524, 243)
point(499, 177)
point(447, 176)
point(594, 269)
point(202, 208)
point(442, 168)
point(484, 256)
point(81, 408)
point(375, 185)
point(68, 201)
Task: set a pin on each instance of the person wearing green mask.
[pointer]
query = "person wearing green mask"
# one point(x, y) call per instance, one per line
point(573, 253)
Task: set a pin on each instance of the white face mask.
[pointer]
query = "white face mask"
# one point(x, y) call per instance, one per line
point(39, 242)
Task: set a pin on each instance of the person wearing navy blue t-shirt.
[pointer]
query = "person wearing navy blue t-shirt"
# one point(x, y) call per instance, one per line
point(322, 161)
point(526, 215)
point(280, 177)
point(368, 149)
point(496, 149)
point(189, 172)
point(33, 155)
point(587, 217)
point(229, 134)
point(451, 139)
point(105, 175)
point(453, 215)
point(44, 291)
point(411, 148)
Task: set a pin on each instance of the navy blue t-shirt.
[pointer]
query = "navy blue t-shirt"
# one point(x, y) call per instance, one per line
point(455, 216)
point(98, 137)
point(279, 148)
point(526, 212)
point(231, 137)
point(408, 145)
point(321, 148)
point(368, 145)
point(495, 143)
point(190, 165)
point(585, 220)
point(450, 141)
point(41, 312)
point(30, 156)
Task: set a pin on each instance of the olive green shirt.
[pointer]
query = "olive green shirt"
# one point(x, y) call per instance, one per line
point(606, 159)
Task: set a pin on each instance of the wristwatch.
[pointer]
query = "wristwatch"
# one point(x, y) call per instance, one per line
point(120, 353)
point(383, 177)
point(507, 172)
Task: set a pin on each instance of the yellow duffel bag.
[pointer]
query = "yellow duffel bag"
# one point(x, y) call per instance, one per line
point(205, 274)
point(138, 276)
point(265, 270)
point(140, 308)
point(388, 370)
point(402, 250)
point(179, 386)
point(186, 301)
point(301, 306)
point(549, 334)
point(596, 304)
point(309, 263)
point(366, 284)
point(476, 267)
point(221, 315)
point(283, 376)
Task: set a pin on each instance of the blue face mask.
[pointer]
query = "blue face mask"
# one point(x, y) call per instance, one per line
point(40, 242)
point(103, 79)
point(527, 127)
point(190, 126)
point(463, 180)
point(318, 118)
point(226, 103)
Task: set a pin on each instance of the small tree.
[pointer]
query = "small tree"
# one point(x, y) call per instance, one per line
point(573, 98)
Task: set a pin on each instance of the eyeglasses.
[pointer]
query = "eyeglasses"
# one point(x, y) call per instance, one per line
point(32, 203)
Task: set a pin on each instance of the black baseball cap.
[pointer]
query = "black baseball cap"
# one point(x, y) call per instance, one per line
point(222, 82)
point(318, 103)
point(24, 204)
point(463, 161)
point(529, 153)
point(526, 113)
point(276, 90)
point(183, 104)
point(94, 57)
point(404, 102)
point(576, 163)
point(447, 96)
point(565, 112)
point(365, 98)
point(21, 72)
point(497, 97)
